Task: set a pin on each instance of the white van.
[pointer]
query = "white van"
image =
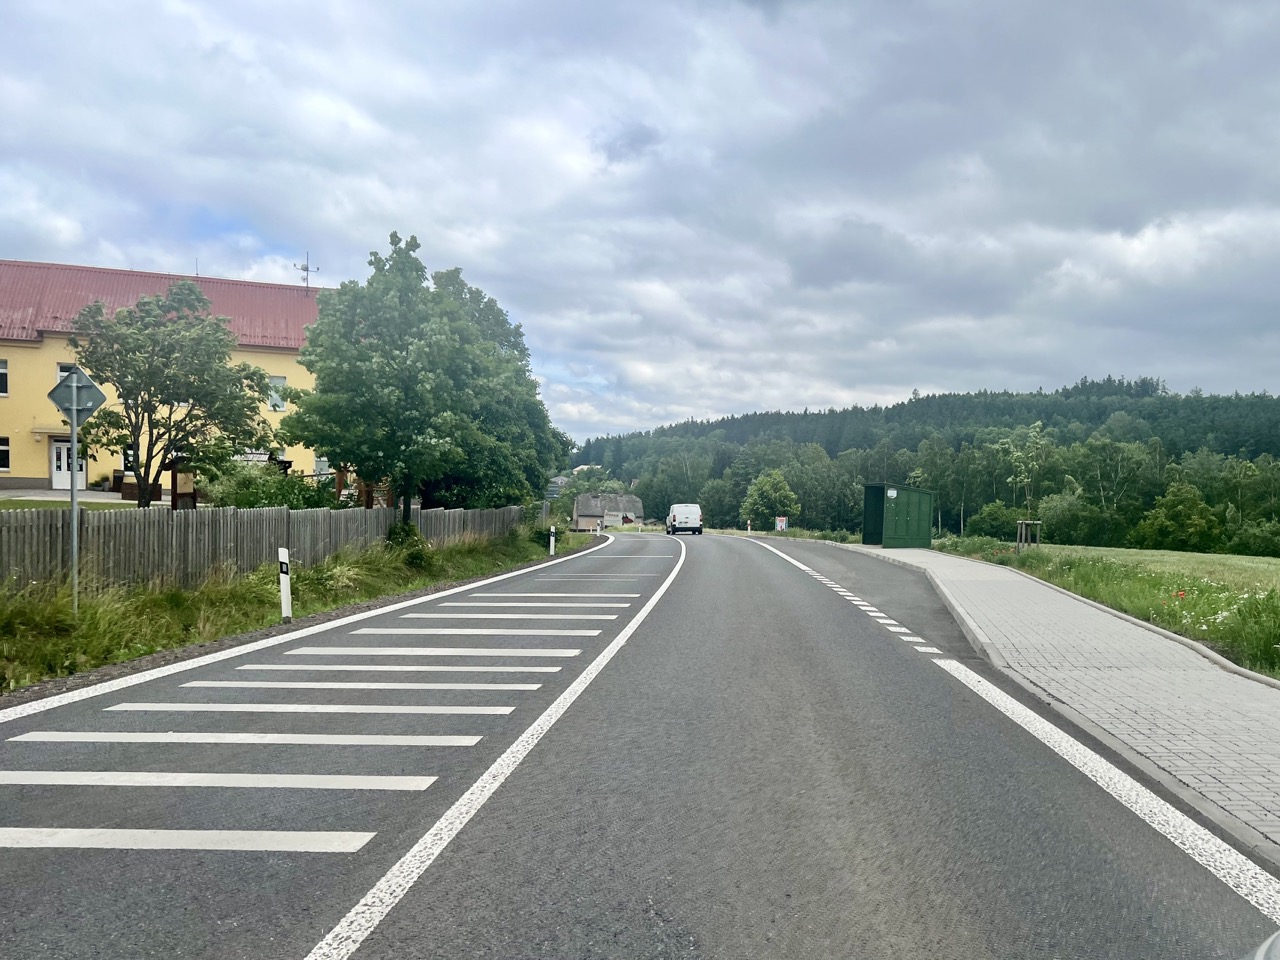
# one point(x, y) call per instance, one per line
point(684, 516)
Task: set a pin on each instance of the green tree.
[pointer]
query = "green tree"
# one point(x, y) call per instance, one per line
point(720, 508)
point(1180, 520)
point(168, 359)
point(769, 497)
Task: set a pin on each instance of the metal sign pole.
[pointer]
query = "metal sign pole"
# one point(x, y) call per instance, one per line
point(75, 494)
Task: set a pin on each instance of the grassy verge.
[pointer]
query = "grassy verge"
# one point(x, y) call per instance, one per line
point(1230, 604)
point(20, 504)
point(40, 639)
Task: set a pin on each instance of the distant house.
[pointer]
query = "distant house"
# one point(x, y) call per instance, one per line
point(555, 486)
point(606, 509)
point(585, 466)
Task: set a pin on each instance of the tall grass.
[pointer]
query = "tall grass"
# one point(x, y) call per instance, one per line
point(1237, 618)
point(39, 638)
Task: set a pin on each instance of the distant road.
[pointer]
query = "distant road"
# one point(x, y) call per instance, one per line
point(667, 747)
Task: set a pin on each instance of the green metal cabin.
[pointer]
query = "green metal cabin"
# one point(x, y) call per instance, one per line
point(895, 515)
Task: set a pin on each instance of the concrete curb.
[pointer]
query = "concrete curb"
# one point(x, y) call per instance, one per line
point(1255, 843)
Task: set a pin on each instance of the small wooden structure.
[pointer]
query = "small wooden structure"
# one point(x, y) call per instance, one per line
point(1028, 535)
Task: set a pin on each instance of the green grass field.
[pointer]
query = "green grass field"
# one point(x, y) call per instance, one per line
point(1231, 604)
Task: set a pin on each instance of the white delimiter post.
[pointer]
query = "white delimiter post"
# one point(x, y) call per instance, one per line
point(286, 595)
point(553, 540)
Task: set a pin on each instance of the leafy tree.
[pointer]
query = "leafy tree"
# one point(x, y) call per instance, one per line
point(1180, 520)
point(769, 497)
point(720, 508)
point(169, 361)
point(248, 485)
point(996, 519)
point(1070, 518)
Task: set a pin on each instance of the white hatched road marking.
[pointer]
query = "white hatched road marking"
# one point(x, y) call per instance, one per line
point(287, 841)
point(392, 668)
point(1229, 865)
point(509, 616)
point(303, 708)
point(912, 639)
point(470, 632)
point(536, 604)
point(345, 938)
point(121, 683)
point(357, 685)
point(294, 739)
point(928, 649)
point(431, 652)
point(490, 594)
point(289, 781)
point(898, 629)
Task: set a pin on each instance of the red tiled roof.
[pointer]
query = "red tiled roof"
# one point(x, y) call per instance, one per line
point(38, 298)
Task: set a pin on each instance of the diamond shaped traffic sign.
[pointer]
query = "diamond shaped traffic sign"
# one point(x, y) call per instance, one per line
point(76, 388)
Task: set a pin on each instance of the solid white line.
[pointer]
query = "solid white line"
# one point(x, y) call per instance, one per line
point(302, 708)
point(555, 594)
point(432, 652)
point(928, 649)
point(345, 938)
point(537, 604)
point(120, 683)
point(269, 781)
point(288, 841)
point(392, 668)
point(639, 556)
point(469, 632)
point(341, 685)
point(293, 739)
point(1229, 865)
point(509, 616)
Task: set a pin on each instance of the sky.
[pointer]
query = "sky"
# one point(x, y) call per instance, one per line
point(694, 208)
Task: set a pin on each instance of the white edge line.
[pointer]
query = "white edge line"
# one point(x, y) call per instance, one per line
point(120, 683)
point(345, 938)
point(1222, 860)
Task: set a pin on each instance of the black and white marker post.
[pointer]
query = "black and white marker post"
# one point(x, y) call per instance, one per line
point(286, 594)
point(553, 540)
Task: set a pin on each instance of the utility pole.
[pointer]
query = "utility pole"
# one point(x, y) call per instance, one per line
point(307, 270)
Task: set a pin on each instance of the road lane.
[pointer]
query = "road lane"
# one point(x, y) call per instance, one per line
point(766, 771)
point(107, 847)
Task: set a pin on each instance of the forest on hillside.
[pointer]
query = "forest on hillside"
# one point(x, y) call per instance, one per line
point(1110, 462)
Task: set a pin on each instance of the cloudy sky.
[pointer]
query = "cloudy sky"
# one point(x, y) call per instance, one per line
point(699, 207)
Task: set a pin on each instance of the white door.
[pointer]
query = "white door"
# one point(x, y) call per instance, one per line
point(60, 465)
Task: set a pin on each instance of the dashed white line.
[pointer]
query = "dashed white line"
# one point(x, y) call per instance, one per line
point(342, 685)
point(431, 652)
point(305, 708)
point(285, 841)
point(260, 781)
point(392, 668)
point(555, 594)
point(536, 605)
point(291, 739)
point(508, 616)
point(470, 632)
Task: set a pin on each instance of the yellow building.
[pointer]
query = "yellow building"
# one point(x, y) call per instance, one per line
point(38, 302)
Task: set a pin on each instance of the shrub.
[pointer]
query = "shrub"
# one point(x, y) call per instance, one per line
point(1256, 539)
point(1180, 520)
point(248, 485)
point(996, 519)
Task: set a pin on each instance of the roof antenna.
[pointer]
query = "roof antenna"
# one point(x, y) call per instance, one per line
point(197, 266)
point(307, 270)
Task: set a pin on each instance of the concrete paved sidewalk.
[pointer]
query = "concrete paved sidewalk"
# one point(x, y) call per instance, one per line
point(1216, 732)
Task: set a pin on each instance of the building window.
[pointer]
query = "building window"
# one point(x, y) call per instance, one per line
point(64, 369)
point(276, 402)
point(4, 378)
point(4, 453)
point(322, 466)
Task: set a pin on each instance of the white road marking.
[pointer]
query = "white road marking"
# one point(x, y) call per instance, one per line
point(509, 616)
point(392, 668)
point(470, 632)
point(885, 620)
point(1229, 865)
point(342, 685)
point(536, 604)
point(345, 938)
point(555, 594)
point(271, 781)
point(303, 708)
point(638, 556)
point(286, 841)
point(912, 639)
point(293, 739)
point(431, 652)
point(121, 683)
point(898, 629)
point(928, 649)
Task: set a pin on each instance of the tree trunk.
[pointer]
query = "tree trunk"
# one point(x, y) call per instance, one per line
point(405, 514)
point(144, 488)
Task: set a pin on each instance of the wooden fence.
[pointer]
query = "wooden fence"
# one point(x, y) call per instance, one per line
point(184, 547)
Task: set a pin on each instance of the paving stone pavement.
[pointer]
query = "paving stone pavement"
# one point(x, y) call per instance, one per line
point(1215, 731)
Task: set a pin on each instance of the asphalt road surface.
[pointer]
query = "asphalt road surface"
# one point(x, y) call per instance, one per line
point(666, 748)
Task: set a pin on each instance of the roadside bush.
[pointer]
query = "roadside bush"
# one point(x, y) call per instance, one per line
point(1256, 539)
point(248, 485)
point(996, 519)
point(1180, 520)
